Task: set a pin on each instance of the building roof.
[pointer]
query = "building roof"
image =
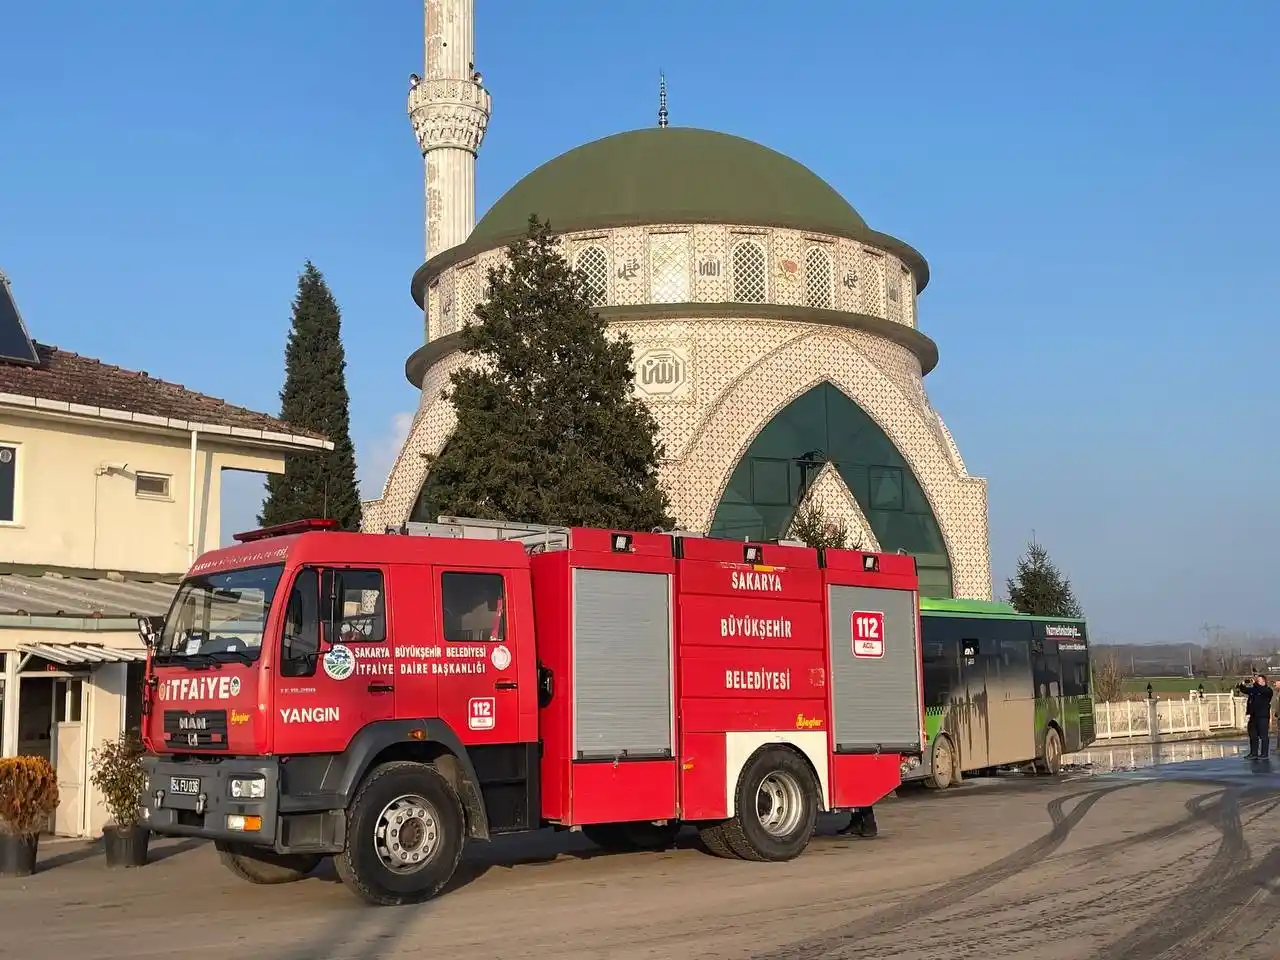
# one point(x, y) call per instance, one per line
point(65, 380)
point(675, 175)
point(106, 596)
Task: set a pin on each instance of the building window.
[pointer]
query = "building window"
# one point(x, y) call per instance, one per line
point(471, 607)
point(817, 279)
point(593, 264)
point(669, 268)
point(748, 273)
point(8, 483)
point(152, 486)
point(885, 485)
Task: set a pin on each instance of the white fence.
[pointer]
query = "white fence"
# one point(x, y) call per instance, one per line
point(1152, 719)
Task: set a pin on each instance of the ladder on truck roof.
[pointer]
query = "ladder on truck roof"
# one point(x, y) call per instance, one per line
point(536, 537)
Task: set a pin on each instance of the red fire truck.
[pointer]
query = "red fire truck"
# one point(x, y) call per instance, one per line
point(383, 698)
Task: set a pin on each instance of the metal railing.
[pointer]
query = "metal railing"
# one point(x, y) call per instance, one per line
point(1150, 719)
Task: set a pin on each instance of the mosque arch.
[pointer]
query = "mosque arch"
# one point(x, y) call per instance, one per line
point(824, 426)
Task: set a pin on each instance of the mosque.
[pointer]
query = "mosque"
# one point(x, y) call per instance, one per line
point(776, 334)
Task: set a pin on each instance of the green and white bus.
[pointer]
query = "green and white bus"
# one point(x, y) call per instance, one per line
point(1001, 689)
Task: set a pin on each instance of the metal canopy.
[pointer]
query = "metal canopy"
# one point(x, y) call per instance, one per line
point(80, 654)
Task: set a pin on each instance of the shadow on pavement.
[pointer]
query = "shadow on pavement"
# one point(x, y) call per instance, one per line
point(69, 852)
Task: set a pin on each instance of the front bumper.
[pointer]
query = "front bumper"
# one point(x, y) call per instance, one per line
point(210, 810)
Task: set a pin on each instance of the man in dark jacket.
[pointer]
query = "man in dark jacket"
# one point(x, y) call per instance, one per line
point(1258, 710)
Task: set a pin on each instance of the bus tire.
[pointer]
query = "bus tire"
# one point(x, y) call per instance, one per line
point(258, 865)
point(777, 808)
point(942, 765)
point(405, 833)
point(631, 837)
point(1050, 762)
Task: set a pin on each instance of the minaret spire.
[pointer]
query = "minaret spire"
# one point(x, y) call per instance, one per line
point(662, 99)
point(449, 108)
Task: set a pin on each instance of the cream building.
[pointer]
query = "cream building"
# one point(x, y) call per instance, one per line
point(777, 337)
point(110, 482)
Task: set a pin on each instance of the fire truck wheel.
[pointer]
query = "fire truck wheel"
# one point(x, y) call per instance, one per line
point(942, 765)
point(404, 835)
point(631, 837)
point(1051, 763)
point(265, 866)
point(777, 808)
point(714, 839)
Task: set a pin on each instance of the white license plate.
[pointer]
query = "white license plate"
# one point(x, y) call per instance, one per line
point(185, 785)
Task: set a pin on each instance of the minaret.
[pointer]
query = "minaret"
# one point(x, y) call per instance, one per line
point(449, 109)
point(662, 99)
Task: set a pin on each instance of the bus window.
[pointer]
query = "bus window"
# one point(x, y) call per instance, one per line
point(941, 672)
point(1075, 675)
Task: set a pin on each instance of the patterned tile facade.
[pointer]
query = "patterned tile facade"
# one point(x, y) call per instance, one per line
point(736, 374)
point(832, 496)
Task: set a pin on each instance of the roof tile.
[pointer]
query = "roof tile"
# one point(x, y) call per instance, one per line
point(68, 378)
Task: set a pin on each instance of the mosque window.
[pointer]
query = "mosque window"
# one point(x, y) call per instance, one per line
point(593, 264)
point(748, 273)
point(817, 279)
point(669, 268)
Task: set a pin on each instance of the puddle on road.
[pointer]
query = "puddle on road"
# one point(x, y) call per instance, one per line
point(1144, 756)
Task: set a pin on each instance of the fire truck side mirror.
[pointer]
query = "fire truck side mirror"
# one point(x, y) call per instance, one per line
point(330, 606)
point(149, 630)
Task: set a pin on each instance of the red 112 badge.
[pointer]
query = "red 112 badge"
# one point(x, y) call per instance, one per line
point(868, 633)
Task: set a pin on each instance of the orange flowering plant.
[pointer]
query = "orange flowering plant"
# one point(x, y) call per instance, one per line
point(28, 794)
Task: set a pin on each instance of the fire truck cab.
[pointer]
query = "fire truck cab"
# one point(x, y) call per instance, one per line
point(383, 698)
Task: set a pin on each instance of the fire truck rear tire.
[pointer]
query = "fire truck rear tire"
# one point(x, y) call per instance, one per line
point(714, 839)
point(265, 866)
point(405, 833)
point(777, 808)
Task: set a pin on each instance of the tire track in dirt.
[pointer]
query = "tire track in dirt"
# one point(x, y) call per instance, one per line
point(1196, 912)
point(866, 937)
point(955, 891)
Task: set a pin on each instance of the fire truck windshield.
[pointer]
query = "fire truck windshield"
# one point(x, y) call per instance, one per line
point(219, 616)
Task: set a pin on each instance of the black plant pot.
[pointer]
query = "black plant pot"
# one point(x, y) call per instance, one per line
point(18, 854)
point(126, 846)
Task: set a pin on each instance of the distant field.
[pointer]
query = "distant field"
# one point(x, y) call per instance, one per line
point(1179, 685)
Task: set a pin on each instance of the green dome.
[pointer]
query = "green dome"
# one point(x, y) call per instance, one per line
point(677, 175)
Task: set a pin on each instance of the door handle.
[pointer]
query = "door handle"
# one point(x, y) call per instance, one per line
point(380, 688)
point(505, 685)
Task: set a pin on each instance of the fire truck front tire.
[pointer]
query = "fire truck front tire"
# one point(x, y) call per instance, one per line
point(265, 866)
point(405, 833)
point(777, 808)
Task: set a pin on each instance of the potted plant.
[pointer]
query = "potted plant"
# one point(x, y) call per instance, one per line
point(117, 772)
point(28, 797)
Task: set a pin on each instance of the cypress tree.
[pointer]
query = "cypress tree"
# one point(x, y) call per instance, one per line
point(320, 483)
point(1038, 587)
point(549, 430)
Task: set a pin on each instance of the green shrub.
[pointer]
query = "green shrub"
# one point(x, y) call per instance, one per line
point(116, 770)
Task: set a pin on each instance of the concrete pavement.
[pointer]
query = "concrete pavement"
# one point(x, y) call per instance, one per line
point(1111, 868)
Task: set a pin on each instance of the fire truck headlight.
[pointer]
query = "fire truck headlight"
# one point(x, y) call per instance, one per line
point(254, 788)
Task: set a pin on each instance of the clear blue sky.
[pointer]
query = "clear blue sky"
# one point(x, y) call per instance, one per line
point(1094, 186)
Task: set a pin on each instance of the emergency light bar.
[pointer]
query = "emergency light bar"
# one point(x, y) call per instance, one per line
point(286, 529)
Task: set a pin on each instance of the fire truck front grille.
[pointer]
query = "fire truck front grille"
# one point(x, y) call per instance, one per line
point(195, 729)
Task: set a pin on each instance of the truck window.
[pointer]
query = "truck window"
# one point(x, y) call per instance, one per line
point(362, 609)
point(472, 607)
point(300, 640)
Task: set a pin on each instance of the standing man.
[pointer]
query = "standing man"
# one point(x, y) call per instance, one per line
point(1258, 710)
